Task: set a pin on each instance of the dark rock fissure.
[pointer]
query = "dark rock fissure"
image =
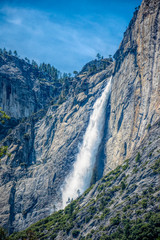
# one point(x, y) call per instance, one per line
point(12, 204)
point(32, 155)
point(120, 121)
point(101, 155)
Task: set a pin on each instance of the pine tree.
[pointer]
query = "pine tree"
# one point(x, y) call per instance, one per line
point(27, 60)
point(34, 64)
point(15, 53)
point(10, 52)
point(78, 193)
point(75, 73)
point(98, 56)
point(4, 51)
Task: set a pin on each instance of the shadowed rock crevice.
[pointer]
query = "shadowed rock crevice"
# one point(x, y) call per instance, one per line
point(101, 155)
point(120, 121)
point(12, 208)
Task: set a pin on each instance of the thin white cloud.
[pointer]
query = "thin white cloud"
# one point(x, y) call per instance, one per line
point(38, 35)
point(16, 21)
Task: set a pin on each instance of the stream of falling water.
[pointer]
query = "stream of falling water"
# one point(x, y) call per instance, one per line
point(80, 177)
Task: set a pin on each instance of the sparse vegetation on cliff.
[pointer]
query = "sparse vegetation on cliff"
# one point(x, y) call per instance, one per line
point(50, 112)
point(3, 116)
point(120, 206)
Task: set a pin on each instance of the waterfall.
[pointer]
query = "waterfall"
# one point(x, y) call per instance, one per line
point(79, 179)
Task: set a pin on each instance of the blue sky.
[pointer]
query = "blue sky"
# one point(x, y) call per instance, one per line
point(66, 34)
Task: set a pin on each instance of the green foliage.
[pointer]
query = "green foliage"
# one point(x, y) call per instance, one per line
point(46, 69)
point(144, 203)
point(115, 220)
point(31, 235)
point(75, 73)
point(69, 226)
point(105, 213)
point(53, 236)
point(123, 185)
point(92, 210)
point(156, 167)
point(3, 116)
point(75, 233)
point(101, 187)
point(148, 126)
point(126, 208)
point(15, 53)
point(73, 218)
point(10, 52)
point(135, 170)
point(104, 201)
point(34, 64)
point(69, 208)
point(89, 236)
point(116, 171)
point(124, 167)
point(149, 230)
point(137, 159)
point(54, 223)
point(3, 234)
point(88, 218)
point(98, 56)
point(112, 176)
point(27, 60)
point(146, 229)
point(105, 237)
point(88, 190)
point(51, 70)
point(3, 151)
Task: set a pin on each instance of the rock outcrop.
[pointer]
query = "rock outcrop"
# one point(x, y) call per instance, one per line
point(42, 147)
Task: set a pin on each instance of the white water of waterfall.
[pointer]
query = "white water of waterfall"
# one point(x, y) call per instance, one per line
point(80, 177)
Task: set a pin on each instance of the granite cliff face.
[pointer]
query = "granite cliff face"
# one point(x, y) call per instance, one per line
point(124, 204)
point(23, 90)
point(43, 146)
point(135, 98)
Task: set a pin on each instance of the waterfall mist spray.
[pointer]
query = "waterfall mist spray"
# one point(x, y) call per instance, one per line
point(80, 177)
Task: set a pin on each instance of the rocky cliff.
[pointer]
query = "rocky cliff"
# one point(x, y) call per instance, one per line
point(135, 98)
point(124, 204)
point(23, 89)
point(43, 147)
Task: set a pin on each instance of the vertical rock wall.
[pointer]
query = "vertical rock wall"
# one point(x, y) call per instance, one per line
point(135, 98)
point(23, 89)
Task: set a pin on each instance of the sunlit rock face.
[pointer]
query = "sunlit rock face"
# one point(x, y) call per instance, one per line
point(45, 145)
point(135, 97)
